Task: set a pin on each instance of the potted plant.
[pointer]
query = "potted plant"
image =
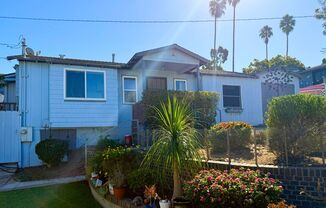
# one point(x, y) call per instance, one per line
point(165, 203)
point(151, 197)
point(119, 183)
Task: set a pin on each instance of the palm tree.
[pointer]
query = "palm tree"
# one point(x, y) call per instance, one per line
point(266, 33)
point(234, 5)
point(216, 8)
point(287, 25)
point(176, 145)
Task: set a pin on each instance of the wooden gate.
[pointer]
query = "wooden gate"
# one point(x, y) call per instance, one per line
point(10, 146)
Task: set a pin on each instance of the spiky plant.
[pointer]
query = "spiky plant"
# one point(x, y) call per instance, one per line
point(176, 146)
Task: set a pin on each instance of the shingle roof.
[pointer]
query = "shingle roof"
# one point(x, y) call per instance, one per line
point(68, 61)
point(223, 73)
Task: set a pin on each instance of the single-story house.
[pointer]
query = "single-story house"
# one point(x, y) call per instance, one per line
point(82, 100)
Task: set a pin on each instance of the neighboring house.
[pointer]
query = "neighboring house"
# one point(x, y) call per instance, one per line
point(8, 91)
point(81, 100)
point(313, 80)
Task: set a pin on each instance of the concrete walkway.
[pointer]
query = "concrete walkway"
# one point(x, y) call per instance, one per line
point(32, 184)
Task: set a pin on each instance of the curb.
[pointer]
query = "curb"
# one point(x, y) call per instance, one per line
point(40, 183)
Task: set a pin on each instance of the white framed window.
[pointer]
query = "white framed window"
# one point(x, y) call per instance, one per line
point(129, 89)
point(180, 85)
point(82, 84)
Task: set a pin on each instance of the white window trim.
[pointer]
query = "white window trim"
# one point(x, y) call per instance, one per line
point(123, 90)
point(85, 79)
point(181, 80)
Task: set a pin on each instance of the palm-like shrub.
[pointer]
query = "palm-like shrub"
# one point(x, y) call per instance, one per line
point(176, 145)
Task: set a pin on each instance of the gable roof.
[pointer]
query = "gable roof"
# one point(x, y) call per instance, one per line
point(223, 73)
point(141, 54)
point(68, 61)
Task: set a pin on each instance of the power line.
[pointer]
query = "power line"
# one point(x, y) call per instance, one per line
point(145, 21)
point(13, 46)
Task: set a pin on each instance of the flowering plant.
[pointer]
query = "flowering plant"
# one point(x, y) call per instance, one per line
point(234, 188)
point(239, 134)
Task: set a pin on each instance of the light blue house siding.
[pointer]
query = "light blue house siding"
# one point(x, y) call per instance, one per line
point(74, 113)
point(250, 91)
point(125, 110)
point(33, 100)
point(41, 98)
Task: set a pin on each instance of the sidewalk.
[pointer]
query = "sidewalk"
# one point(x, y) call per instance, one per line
point(32, 184)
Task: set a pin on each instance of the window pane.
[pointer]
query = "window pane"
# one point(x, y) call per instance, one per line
point(232, 102)
point(75, 84)
point(129, 83)
point(130, 96)
point(231, 90)
point(180, 85)
point(95, 85)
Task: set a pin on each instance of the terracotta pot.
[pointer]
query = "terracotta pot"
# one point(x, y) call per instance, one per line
point(119, 192)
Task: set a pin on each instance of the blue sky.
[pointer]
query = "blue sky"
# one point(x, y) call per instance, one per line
point(99, 40)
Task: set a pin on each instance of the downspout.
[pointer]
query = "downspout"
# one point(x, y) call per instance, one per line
point(199, 87)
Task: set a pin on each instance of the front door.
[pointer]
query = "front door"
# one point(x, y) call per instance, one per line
point(156, 83)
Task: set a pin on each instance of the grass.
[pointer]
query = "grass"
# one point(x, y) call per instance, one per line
point(67, 195)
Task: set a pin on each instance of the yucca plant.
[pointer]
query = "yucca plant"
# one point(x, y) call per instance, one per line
point(176, 146)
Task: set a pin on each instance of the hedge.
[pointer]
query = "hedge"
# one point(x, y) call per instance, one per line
point(203, 105)
point(239, 135)
point(299, 120)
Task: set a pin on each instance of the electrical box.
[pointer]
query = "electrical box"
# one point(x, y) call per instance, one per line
point(26, 134)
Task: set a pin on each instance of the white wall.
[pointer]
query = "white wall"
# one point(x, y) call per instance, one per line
point(250, 97)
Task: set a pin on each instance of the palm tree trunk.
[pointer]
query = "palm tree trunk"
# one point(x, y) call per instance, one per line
point(214, 59)
point(266, 51)
point(287, 45)
point(233, 39)
point(177, 189)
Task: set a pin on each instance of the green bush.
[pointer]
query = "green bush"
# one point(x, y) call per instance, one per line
point(124, 159)
point(233, 189)
point(104, 143)
point(298, 120)
point(239, 135)
point(203, 105)
point(51, 151)
point(139, 178)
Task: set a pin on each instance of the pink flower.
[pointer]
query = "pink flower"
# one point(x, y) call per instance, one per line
point(209, 178)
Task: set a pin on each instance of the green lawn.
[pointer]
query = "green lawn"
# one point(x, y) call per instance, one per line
point(67, 195)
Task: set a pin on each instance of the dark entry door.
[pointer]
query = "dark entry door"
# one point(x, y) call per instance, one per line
point(156, 83)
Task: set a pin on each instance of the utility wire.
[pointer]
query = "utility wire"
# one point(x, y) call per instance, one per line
point(145, 21)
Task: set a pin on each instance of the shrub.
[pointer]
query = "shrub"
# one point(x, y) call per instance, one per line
point(299, 119)
point(104, 143)
point(139, 178)
point(239, 135)
point(237, 188)
point(203, 105)
point(124, 159)
point(51, 151)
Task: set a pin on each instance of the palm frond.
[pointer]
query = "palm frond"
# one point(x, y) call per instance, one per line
point(176, 141)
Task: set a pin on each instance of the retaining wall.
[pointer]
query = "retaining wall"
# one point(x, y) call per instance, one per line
point(311, 180)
